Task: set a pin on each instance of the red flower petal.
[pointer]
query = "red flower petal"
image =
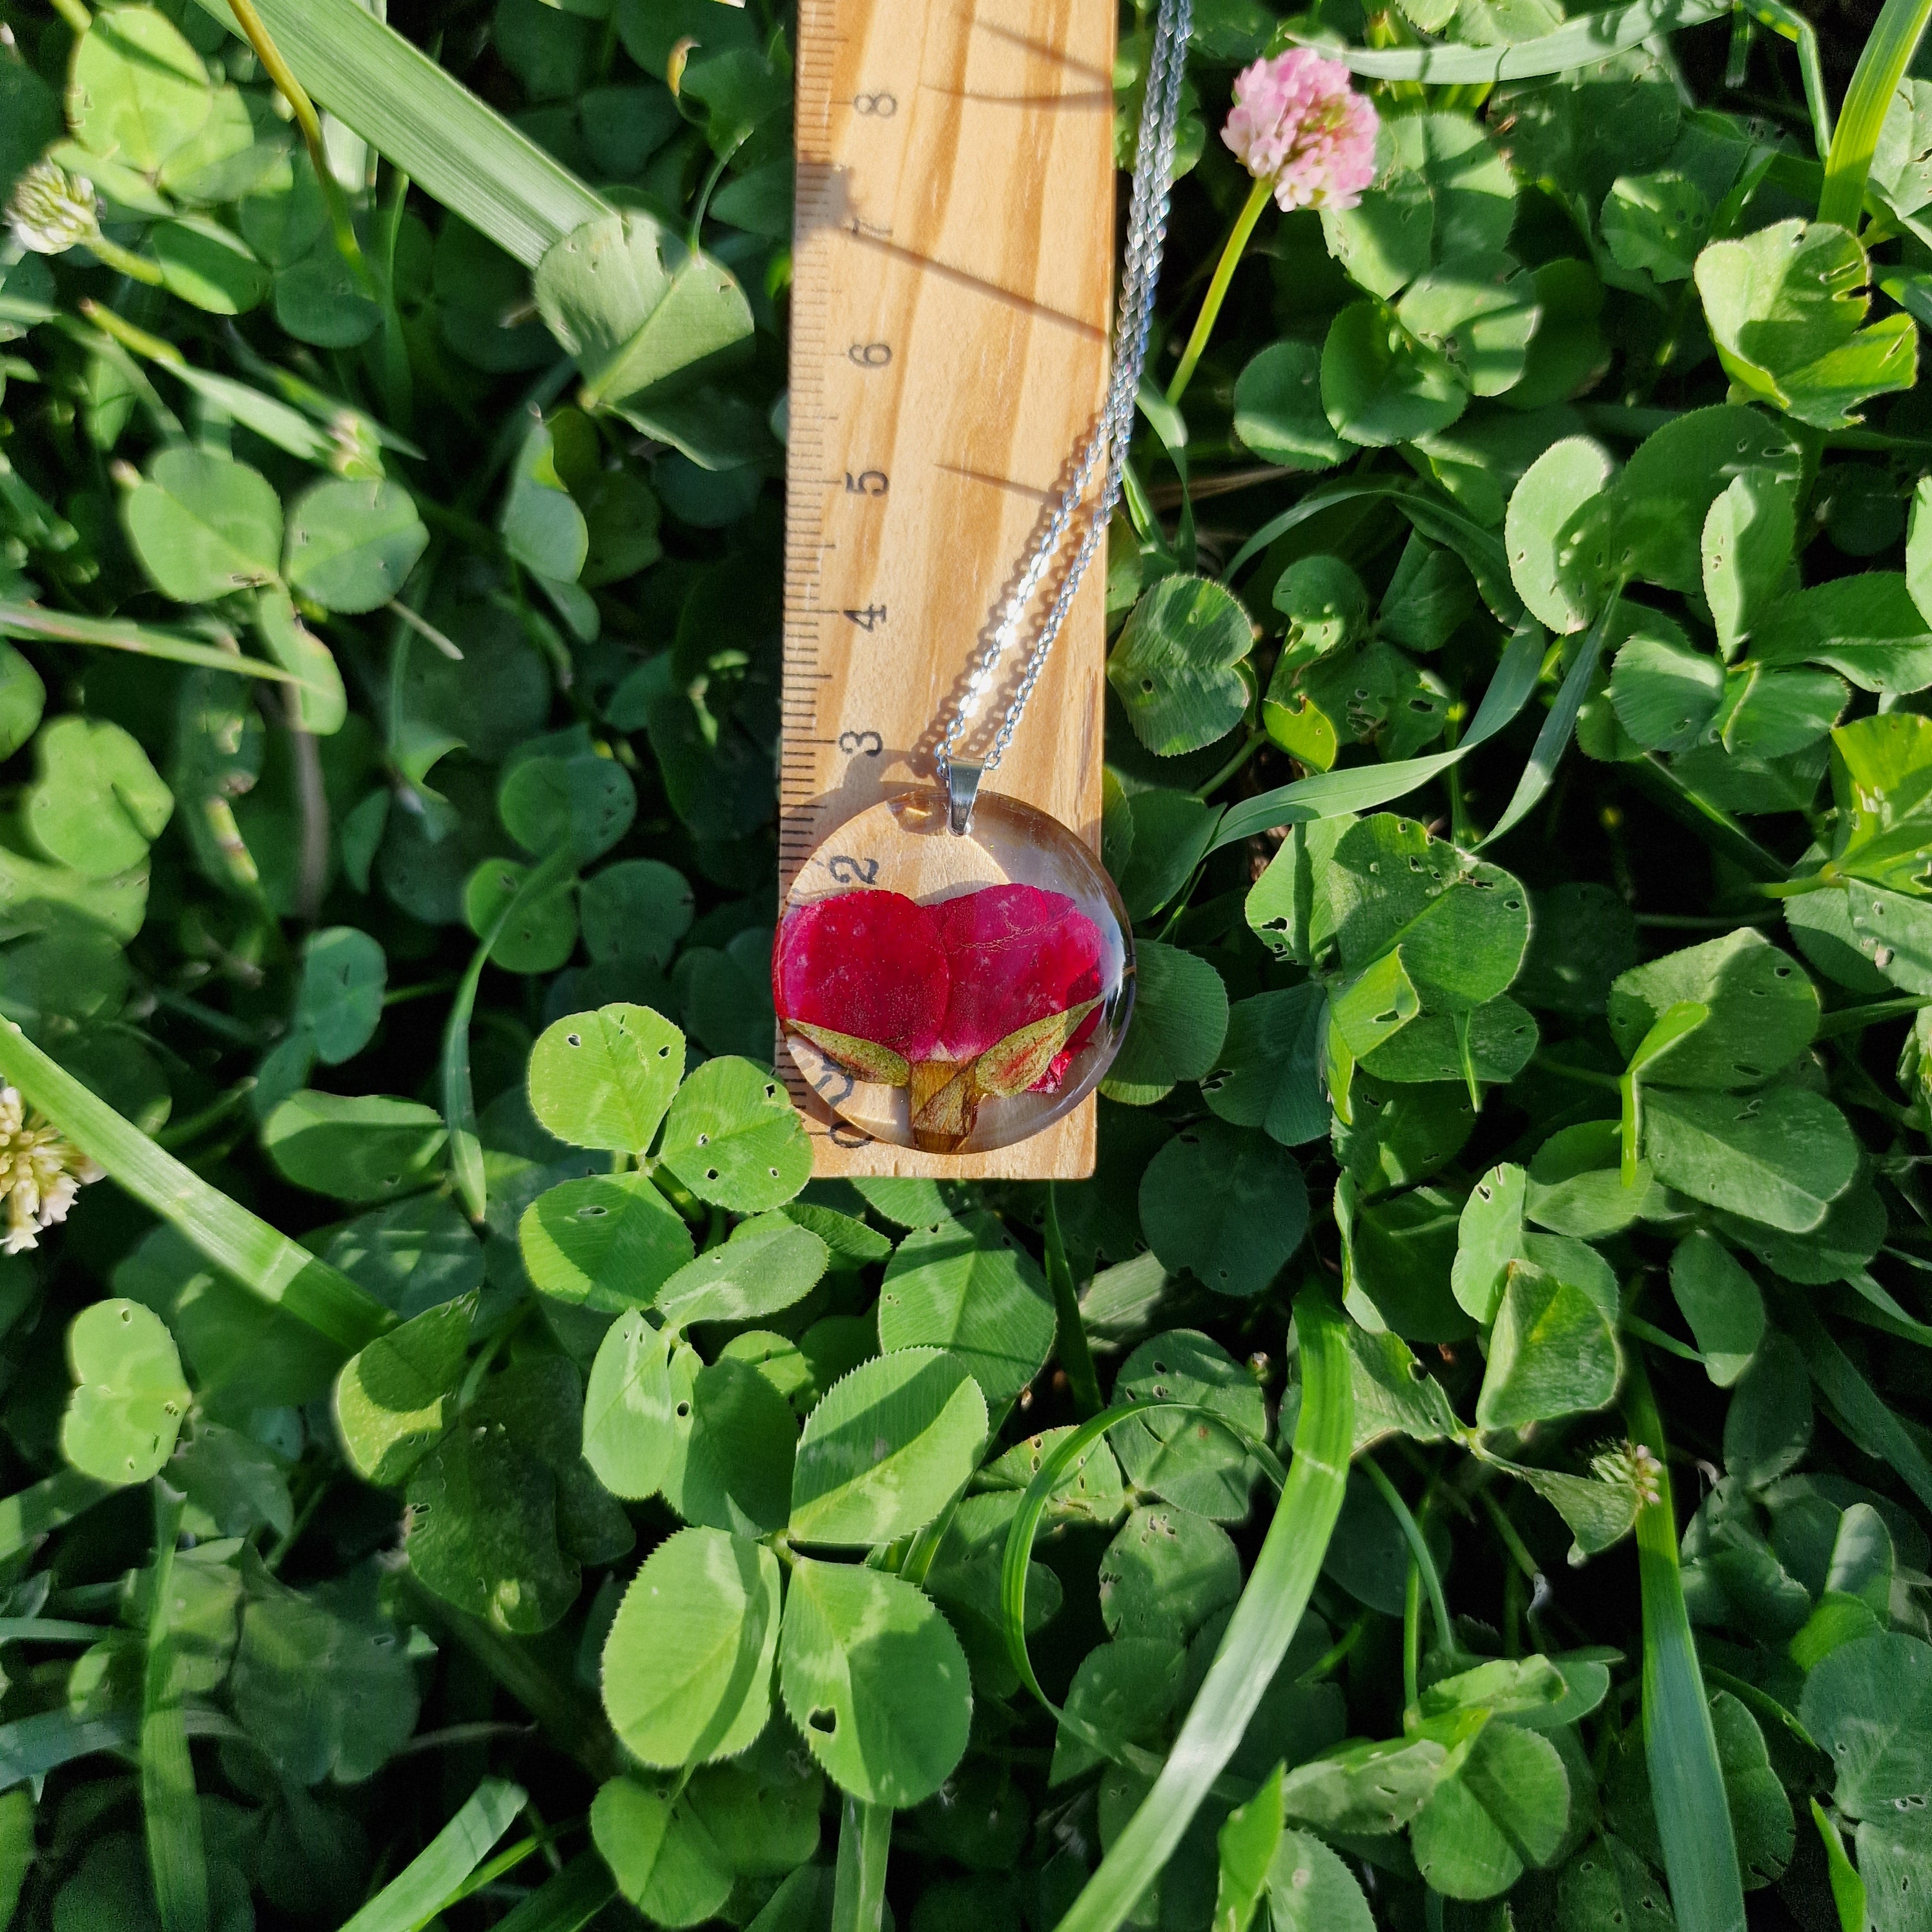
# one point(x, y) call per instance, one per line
point(869, 964)
point(1018, 954)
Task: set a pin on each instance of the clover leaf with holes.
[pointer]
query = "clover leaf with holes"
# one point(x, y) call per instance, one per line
point(607, 1241)
point(129, 1400)
point(1230, 1207)
point(351, 545)
point(203, 525)
point(627, 1431)
point(875, 1681)
point(1176, 665)
point(605, 1079)
point(1786, 308)
point(734, 1139)
point(339, 1004)
point(98, 803)
point(394, 1399)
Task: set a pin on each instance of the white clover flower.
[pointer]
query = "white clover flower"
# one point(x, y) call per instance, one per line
point(1631, 1465)
point(52, 211)
point(40, 1172)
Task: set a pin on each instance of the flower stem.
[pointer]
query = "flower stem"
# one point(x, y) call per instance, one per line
point(1589, 1076)
point(124, 332)
point(341, 223)
point(1792, 889)
point(1217, 290)
point(1253, 743)
point(1629, 1132)
point(710, 187)
point(111, 255)
point(1412, 1636)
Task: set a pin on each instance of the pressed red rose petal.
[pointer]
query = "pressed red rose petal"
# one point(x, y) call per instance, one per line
point(869, 964)
point(1017, 955)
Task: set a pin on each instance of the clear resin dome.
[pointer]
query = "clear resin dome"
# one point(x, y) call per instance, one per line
point(952, 993)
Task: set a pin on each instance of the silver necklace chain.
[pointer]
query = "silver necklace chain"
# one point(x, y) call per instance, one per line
point(1104, 451)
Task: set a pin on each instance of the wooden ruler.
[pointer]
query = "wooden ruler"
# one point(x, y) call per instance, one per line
point(951, 293)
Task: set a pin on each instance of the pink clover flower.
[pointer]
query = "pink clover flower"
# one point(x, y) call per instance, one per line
point(1297, 122)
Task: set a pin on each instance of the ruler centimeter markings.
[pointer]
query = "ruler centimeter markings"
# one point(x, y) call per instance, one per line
point(951, 294)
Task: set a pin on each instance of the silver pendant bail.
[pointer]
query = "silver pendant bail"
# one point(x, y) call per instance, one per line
point(962, 788)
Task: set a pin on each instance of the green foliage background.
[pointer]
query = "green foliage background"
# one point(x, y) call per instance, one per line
point(462, 1472)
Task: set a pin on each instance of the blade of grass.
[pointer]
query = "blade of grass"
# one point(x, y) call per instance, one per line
point(1364, 787)
point(1481, 549)
point(1875, 1307)
point(1018, 1551)
point(1170, 427)
point(59, 627)
point(426, 122)
point(1792, 26)
point(459, 1095)
point(171, 1813)
point(1848, 1889)
point(32, 1746)
point(425, 1885)
point(1715, 826)
point(1553, 740)
point(1592, 37)
point(1309, 506)
point(566, 1903)
point(34, 1512)
point(51, 1630)
point(1076, 1358)
point(1888, 52)
point(1025, 1525)
point(1421, 1556)
point(858, 1884)
point(1258, 1632)
point(261, 1258)
point(329, 409)
point(508, 1859)
point(536, 1672)
point(1761, 1701)
point(1862, 1412)
point(1693, 1816)
point(280, 422)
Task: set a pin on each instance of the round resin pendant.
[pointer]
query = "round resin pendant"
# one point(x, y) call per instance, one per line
point(953, 993)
